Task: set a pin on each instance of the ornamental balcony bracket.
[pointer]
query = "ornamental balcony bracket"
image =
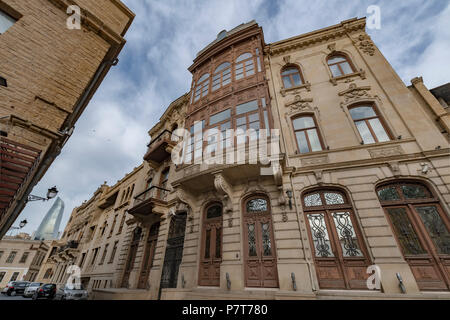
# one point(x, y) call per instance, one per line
point(224, 189)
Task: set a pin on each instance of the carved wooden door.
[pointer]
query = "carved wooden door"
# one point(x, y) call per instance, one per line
point(211, 249)
point(422, 231)
point(131, 256)
point(174, 252)
point(340, 256)
point(259, 245)
point(149, 253)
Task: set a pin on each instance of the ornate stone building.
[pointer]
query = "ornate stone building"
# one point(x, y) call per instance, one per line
point(48, 74)
point(20, 258)
point(362, 179)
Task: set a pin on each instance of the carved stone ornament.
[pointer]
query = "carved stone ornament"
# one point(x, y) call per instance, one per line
point(332, 47)
point(354, 93)
point(366, 45)
point(314, 161)
point(394, 166)
point(281, 199)
point(386, 152)
point(285, 217)
point(224, 189)
point(299, 104)
point(287, 59)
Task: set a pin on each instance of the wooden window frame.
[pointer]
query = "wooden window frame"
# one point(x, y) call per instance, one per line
point(322, 144)
point(221, 73)
point(201, 86)
point(290, 76)
point(347, 59)
point(369, 126)
point(244, 66)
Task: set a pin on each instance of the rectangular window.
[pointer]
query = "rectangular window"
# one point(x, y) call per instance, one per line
point(6, 21)
point(11, 257)
point(94, 256)
point(113, 226)
point(24, 257)
point(219, 117)
point(83, 256)
point(122, 223)
point(104, 254)
point(306, 134)
point(113, 253)
point(1, 254)
point(2, 275)
point(247, 107)
point(369, 124)
point(14, 276)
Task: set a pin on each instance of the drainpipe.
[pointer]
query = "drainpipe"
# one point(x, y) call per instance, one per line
point(308, 263)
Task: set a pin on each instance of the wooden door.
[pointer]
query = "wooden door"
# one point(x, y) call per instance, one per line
point(211, 249)
point(422, 232)
point(131, 256)
point(259, 245)
point(149, 254)
point(340, 255)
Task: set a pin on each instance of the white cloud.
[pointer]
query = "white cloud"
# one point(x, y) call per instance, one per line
point(111, 135)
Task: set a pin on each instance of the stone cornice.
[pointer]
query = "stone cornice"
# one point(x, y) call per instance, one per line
point(92, 22)
point(329, 33)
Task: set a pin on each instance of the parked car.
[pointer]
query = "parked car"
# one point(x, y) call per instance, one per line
point(71, 292)
point(46, 291)
point(31, 289)
point(15, 288)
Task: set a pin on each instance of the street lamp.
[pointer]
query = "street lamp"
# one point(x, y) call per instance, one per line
point(22, 224)
point(51, 193)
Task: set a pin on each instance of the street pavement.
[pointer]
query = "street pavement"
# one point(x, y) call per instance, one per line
point(4, 297)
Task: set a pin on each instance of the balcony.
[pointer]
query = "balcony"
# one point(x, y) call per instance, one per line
point(150, 203)
point(160, 149)
point(17, 162)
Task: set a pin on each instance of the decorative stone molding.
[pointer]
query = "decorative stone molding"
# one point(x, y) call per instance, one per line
point(386, 152)
point(365, 44)
point(285, 217)
point(349, 77)
point(287, 59)
point(299, 104)
point(319, 176)
point(354, 93)
point(314, 161)
point(394, 166)
point(332, 47)
point(184, 203)
point(296, 90)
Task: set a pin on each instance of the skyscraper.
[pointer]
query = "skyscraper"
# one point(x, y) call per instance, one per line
point(49, 227)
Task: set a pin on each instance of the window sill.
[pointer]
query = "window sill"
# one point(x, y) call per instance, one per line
point(306, 86)
point(361, 73)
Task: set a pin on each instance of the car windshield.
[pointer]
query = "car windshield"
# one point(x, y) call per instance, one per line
point(21, 284)
point(49, 286)
point(35, 284)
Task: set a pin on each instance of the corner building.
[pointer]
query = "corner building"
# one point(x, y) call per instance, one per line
point(48, 74)
point(363, 180)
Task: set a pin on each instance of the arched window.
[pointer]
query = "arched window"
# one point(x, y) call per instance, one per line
point(340, 65)
point(244, 66)
point(306, 134)
point(202, 87)
point(335, 239)
point(211, 256)
point(422, 231)
point(222, 76)
point(291, 77)
point(149, 253)
point(369, 124)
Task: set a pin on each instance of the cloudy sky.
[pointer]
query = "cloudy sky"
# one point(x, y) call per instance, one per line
point(111, 136)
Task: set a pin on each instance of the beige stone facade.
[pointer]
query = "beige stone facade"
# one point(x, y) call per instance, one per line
point(362, 181)
point(20, 259)
point(48, 73)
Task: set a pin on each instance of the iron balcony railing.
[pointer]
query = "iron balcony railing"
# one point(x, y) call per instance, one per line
point(154, 192)
point(165, 135)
